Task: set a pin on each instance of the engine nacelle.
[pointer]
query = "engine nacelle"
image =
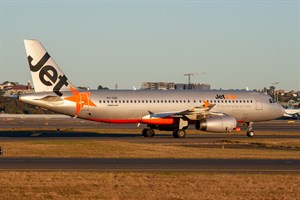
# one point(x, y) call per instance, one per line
point(217, 124)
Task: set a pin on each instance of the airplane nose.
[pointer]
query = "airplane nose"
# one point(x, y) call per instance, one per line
point(280, 110)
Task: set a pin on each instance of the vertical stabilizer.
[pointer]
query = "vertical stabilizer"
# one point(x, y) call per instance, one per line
point(46, 74)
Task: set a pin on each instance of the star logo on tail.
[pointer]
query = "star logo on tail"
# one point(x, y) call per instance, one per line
point(81, 99)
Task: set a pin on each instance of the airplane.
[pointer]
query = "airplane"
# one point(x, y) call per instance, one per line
point(218, 111)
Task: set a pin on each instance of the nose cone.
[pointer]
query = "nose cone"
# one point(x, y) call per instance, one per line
point(279, 112)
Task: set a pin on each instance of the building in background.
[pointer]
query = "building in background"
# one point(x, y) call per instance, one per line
point(14, 88)
point(158, 86)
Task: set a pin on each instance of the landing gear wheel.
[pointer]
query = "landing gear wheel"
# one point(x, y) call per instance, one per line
point(179, 133)
point(250, 134)
point(147, 132)
point(175, 133)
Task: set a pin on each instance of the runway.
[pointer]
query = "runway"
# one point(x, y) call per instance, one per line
point(111, 164)
point(34, 129)
point(63, 122)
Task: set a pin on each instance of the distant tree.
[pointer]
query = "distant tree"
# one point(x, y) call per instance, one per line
point(100, 87)
point(272, 87)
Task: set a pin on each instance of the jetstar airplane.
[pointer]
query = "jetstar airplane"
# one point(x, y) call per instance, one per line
point(213, 111)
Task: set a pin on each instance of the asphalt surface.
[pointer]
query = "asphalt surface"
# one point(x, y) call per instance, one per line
point(66, 122)
point(124, 133)
point(213, 165)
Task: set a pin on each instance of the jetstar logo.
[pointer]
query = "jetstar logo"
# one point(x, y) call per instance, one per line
point(206, 104)
point(81, 99)
point(223, 96)
point(49, 72)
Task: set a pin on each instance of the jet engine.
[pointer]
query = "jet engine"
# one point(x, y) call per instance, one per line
point(217, 124)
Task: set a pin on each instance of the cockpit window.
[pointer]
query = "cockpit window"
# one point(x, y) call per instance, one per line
point(272, 101)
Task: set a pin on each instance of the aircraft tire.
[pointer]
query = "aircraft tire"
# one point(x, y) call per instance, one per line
point(175, 133)
point(148, 132)
point(250, 134)
point(144, 132)
point(181, 133)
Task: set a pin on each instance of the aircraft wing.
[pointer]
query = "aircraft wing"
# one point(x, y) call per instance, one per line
point(194, 113)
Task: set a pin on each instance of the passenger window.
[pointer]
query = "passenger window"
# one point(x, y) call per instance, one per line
point(99, 101)
point(103, 101)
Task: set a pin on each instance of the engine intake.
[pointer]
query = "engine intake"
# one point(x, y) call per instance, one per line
point(217, 124)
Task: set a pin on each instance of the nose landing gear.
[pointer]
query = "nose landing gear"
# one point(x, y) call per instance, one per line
point(148, 132)
point(250, 133)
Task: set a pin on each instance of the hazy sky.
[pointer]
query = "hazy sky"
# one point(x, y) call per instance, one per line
point(238, 43)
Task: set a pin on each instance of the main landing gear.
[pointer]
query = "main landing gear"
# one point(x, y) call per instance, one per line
point(148, 132)
point(250, 133)
point(179, 133)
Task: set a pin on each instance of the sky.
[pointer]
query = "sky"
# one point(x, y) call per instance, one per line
point(230, 44)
